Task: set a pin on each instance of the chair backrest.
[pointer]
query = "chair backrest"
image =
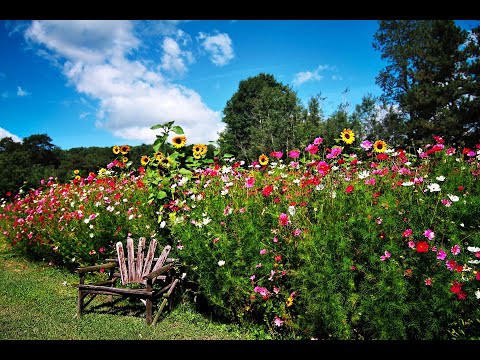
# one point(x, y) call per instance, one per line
point(134, 268)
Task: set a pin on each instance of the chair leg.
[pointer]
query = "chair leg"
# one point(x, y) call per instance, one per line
point(149, 307)
point(80, 304)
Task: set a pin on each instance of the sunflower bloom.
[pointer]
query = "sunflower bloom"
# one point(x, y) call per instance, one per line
point(144, 160)
point(158, 156)
point(263, 159)
point(76, 171)
point(116, 149)
point(124, 159)
point(77, 177)
point(380, 146)
point(179, 141)
point(200, 149)
point(289, 301)
point(124, 149)
point(347, 136)
point(165, 162)
point(197, 155)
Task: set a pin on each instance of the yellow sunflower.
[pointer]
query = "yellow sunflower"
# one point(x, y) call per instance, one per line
point(380, 146)
point(76, 171)
point(289, 301)
point(165, 162)
point(347, 136)
point(124, 149)
point(197, 155)
point(158, 155)
point(144, 160)
point(200, 149)
point(263, 159)
point(179, 141)
point(124, 159)
point(116, 149)
point(77, 177)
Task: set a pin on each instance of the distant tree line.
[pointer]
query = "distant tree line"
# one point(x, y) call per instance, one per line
point(25, 164)
point(430, 87)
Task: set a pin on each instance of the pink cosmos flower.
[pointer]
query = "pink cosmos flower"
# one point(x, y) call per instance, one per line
point(407, 233)
point(249, 182)
point(455, 249)
point(429, 234)
point(277, 154)
point(317, 141)
point(263, 251)
point(441, 254)
point(428, 281)
point(312, 149)
point(411, 244)
point(366, 145)
point(386, 256)
point(294, 154)
point(283, 219)
point(278, 322)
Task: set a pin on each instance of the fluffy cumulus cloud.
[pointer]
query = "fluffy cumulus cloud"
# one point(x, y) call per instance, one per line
point(313, 75)
point(219, 46)
point(4, 133)
point(97, 59)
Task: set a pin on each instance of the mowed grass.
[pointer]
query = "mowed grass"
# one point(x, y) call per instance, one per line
point(38, 302)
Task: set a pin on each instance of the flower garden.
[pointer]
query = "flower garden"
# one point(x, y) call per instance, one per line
point(352, 240)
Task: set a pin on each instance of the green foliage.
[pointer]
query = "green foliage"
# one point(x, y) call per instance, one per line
point(433, 77)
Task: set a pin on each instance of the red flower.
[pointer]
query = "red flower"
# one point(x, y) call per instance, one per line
point(267, 190)
point(461, 188)
point(456, 287)
point(278, 258)
point(349, 189)
point(382, 235)
point(382, 156)
point(422, 246)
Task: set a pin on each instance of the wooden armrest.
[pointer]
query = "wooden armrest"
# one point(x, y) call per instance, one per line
point(155, 273)
point(86, 269)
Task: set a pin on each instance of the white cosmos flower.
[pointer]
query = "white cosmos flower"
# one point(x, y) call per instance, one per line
point(453, 198)
point(221, 262)
point(433, 187)
point(407, 183)
point(473, 249)
point(440, 178)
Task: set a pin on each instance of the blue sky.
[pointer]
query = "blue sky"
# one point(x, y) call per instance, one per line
point(106, 82)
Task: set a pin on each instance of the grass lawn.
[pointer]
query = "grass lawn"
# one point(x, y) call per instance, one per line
point(38, 302)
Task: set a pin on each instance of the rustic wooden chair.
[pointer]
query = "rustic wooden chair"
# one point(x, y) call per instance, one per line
point(152, 281)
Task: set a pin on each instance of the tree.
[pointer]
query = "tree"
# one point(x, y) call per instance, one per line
point(261, 108)
point(432, 76)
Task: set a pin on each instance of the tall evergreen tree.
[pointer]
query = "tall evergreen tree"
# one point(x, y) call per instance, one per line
point(432, 76)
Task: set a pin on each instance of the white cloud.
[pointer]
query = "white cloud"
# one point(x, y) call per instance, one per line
point(219, 46)
point(21, 92)
point(173, 57)
point(4, 133)
point(96, 59)
point(314, 75)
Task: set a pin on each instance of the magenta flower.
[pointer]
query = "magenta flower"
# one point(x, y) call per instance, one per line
point(455, 249)
point(366, 145)
point(318, 141)
point(407, 233)
point(429, 234)
point(441, 254)
point(278, 322)
point(386, 256)
point(294, 154)
point(283, 219)
point(263, 251)
point(261, 290)
point(428, 281)
point(411, 244)
point(249, 182)
point(312, 149)
point(277, 154)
